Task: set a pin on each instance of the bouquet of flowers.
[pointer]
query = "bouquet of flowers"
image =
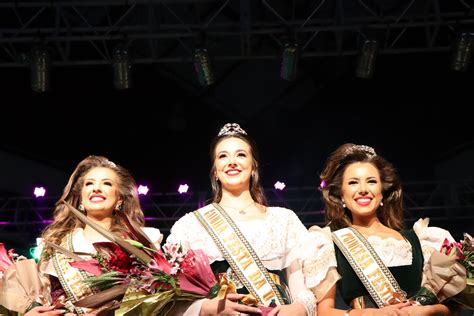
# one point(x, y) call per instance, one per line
point(132, 276)
point(449, 274)
point(20, 285)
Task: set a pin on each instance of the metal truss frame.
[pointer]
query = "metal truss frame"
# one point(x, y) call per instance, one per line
point(157, 31)
point(448, 204)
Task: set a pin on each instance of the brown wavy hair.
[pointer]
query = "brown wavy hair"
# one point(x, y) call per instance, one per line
point(390, 214)
point(65, 221)
point(256, 189)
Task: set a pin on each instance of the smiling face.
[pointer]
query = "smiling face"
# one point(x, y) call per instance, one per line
point(100, 193)
point(233, 164)
point(362, 190)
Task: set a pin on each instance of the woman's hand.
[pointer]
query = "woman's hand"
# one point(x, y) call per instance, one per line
point(293, 309)
point(227, 306)
point(45, 311)
point(431, 310)
point(390, 310)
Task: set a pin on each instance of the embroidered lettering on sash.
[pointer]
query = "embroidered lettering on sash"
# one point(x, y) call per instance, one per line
point(376, 277)
point(239, 254)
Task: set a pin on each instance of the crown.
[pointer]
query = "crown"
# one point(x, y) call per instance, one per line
point(364, 148)
point(231, 129)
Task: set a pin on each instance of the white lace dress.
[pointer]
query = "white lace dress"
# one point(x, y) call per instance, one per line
point(278, 240)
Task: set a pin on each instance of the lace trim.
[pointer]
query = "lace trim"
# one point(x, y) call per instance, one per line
point(277, 239)
point(308, 300)
point(315, 270)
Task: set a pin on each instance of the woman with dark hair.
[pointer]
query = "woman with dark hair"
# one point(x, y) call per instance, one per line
point(380, 263)
point(258, 247)
point(106, 193)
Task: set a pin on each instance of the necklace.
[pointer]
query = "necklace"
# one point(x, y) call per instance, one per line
point(366, 231)
point(242, 211)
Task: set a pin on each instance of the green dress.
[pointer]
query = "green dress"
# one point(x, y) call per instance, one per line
point(408, 277)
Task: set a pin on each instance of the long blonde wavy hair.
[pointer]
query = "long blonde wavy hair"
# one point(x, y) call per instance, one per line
point(65, 221)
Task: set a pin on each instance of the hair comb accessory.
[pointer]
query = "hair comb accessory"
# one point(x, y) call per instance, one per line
point(366, 149)
point(231, 129)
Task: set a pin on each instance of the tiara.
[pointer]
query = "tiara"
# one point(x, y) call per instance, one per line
point(364, 148)
point(231, 129)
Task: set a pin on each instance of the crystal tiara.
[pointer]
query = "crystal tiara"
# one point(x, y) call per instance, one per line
point(231, 129)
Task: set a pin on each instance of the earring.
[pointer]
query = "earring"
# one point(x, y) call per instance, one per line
point(381, 203)
point(344, 205)
point(81, 208)
point(118, 207)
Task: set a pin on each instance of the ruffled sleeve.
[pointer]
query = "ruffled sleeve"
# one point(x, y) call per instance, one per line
point(154, 235)
point(319, 264)
point(431, 238)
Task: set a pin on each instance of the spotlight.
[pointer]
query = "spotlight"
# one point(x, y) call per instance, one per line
point(202, 67)
point(40, 69)
point(142, 189)
point(39, 192)
point(366, 59)
point(122, 68)
point(279, 185)
point(183, 188)
point(289, 61)
point(462, 52)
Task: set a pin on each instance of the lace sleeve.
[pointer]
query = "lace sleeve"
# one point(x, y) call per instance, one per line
point(319, 262)
point(154, 235)
point(431, 238)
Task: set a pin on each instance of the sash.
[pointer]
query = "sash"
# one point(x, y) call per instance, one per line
point(376, 277)
point(71, 279)
point(239, 254)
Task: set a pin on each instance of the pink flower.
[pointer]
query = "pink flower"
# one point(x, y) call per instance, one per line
point(160, 263)
point(196, 274)
point(92, 266)
point(6, 259)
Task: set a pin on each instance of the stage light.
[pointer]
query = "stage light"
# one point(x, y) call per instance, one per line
point(366, 59)
point(142, 189)
point(279, 185)
point(40, 64)
point(183, 188)
point(289, 61)
point(122, 67)
point(202, 66)
point(462, 52)
point(39, 192)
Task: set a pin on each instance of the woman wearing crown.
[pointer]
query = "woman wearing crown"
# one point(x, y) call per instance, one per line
point(259, 248)
point(380, 263)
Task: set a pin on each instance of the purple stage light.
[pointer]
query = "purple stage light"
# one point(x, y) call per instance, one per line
point(39, 192)
point(279, 185)
point(183, 188)
point(143, 189)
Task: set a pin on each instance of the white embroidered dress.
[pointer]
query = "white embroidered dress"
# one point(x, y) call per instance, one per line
point(278, 240)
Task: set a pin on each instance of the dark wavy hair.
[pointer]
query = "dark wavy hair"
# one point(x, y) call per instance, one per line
point(390, 214)
point(256, 189)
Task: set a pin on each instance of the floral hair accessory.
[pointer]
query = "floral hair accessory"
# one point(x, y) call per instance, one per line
point(231, 129)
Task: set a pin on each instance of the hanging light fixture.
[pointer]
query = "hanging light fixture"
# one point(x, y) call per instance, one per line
point(462, 52)
point(289, 61)
point(202, 66)
point(122, 68)
point(40, 68)
point(366, 59)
